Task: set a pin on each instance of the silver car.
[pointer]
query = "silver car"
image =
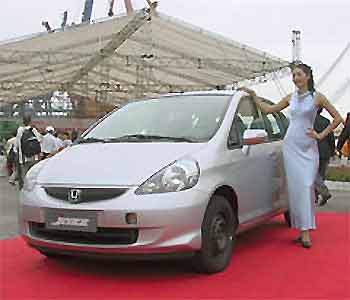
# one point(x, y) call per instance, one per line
point(181, 174)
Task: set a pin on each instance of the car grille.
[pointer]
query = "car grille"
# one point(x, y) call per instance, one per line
point(87, 194)
point(103, 236)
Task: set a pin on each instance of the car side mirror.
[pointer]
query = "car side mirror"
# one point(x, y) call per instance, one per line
point(254, 137)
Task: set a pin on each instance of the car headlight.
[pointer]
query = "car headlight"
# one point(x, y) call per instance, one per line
point(30, 180)
point(181, 175)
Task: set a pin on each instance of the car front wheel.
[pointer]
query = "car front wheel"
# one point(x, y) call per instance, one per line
point(218, 237)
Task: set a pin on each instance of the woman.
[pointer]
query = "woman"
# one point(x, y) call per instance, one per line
point(300, 150)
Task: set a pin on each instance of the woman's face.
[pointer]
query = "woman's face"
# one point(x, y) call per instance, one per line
point(300, 78)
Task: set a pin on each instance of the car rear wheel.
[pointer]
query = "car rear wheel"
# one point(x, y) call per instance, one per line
point(218, 237)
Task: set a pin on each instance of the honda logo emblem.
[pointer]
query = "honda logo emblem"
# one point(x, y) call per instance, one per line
point(74, 196)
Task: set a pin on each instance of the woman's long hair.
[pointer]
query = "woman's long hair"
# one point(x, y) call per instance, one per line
point(308, 71)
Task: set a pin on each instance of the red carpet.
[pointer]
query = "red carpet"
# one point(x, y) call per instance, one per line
point(266, 264)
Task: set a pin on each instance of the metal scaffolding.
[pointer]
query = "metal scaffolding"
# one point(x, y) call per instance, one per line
point(129, 57)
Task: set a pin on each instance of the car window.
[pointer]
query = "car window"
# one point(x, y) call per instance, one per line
point(284, 121)
point(195, 117)
point(237, 127)
point(275, 130)
point(276, 123)
point(247, 117)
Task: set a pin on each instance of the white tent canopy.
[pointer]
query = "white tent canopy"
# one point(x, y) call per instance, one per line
point(126, 57)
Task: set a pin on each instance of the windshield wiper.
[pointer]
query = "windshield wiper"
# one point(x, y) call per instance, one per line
point(149, 137)
point(178, 139)
point(90, 140)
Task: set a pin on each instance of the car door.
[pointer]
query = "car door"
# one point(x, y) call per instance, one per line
point(250, 172)
point(275, 124)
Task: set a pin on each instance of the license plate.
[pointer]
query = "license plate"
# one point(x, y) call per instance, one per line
point(76, 220)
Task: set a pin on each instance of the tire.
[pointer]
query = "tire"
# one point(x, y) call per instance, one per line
point(218, 237)
point(287, 218)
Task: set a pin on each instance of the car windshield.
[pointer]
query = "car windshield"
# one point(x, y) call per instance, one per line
point(183, 118)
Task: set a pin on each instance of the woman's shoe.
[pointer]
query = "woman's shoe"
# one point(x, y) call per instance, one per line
point(306, 244)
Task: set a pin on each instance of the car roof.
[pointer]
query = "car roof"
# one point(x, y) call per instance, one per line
point(212, 92)
point(194, 93)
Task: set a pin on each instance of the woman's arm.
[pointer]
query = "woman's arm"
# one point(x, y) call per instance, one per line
point(322, 101)
point(265, 107)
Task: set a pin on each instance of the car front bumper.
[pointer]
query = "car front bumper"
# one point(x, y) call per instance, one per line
point(166, 223)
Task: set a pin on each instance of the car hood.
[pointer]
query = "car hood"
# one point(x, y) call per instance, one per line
point(112, 164)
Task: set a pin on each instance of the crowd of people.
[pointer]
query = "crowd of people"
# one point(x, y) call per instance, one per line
point(27, 146)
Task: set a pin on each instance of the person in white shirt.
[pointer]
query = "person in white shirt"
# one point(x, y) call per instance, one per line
point(59, 142)
point(66, 140)
point(50, 143)
point(27, 141)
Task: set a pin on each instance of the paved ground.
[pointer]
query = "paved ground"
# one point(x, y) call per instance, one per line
point(9, 204)
point(335, 161)
point(8, 209)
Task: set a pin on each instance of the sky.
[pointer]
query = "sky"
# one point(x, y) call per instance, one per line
point(263, 24)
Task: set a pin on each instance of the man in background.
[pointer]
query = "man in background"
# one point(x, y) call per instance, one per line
point(11, 154)
point(28, 147)
point(344, 136)
point(50, 144)
point(326, 149)
point(66, 139)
